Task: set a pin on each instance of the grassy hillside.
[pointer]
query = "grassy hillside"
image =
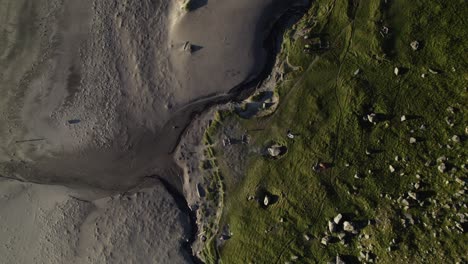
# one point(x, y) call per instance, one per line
point(400, 179)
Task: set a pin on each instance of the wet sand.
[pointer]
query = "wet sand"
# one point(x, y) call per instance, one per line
point(96, 96)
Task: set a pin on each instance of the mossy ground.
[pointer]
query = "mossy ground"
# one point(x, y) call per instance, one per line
point(324, 103)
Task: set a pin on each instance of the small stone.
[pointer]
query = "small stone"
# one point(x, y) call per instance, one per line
point(325, 240)
point(442, 167)
point(372, 118)
point(306, 237)
point(397, 158)
point(396, 71)
point(356, 72)
point(455, 139)
point(412, 140)
point(423, 75)
point(341, 235)
point(404, 202)
point(441, 159)
point(432, 71)
point(294, 257)
point(403, 118)
point(337, 219)
point(266, 200)
point(414, 45)
point(338, 260)
point(188, 47)
point(391, 168)
point(348, 226)
point(413, 195)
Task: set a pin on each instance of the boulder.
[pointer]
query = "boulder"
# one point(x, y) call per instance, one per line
point(266, 200)
point(455, 139)
point(396, 71)
point(274, 151)
point(403, 118)
point(412, 140)
point(391, 168)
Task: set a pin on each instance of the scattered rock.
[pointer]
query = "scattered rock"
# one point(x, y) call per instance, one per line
point(414, 45)
point(391, 168)
point(432, 71)
point(412, 140)
point(442, 167)
point(455, 139)
point(341, 235)
point(413, 195)
point(396, 71)
point(325, 240)
point(372, 117)
point(348, 226)
point(266, 200)
point(274, 151)
point(441, 159)
point(338, 260)
point(451, 110)
point(403, 118)
point(337, 219)
point(404, 202)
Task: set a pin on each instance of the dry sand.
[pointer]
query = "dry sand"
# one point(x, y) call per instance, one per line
point(46, 224)
point(95, 94)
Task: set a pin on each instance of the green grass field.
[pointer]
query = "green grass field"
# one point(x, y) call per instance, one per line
point(324, 104)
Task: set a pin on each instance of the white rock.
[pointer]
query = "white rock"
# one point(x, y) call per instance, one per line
point(412, 140)
point(391, 168)
point(348, 226)
point(396, 71)
point(337, 219)
point(403, 118)
point(414, 45)
point(442, 167)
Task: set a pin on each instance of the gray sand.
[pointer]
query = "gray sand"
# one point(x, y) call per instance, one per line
point(101, 92)
point(44, 224)
point(96, 94)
